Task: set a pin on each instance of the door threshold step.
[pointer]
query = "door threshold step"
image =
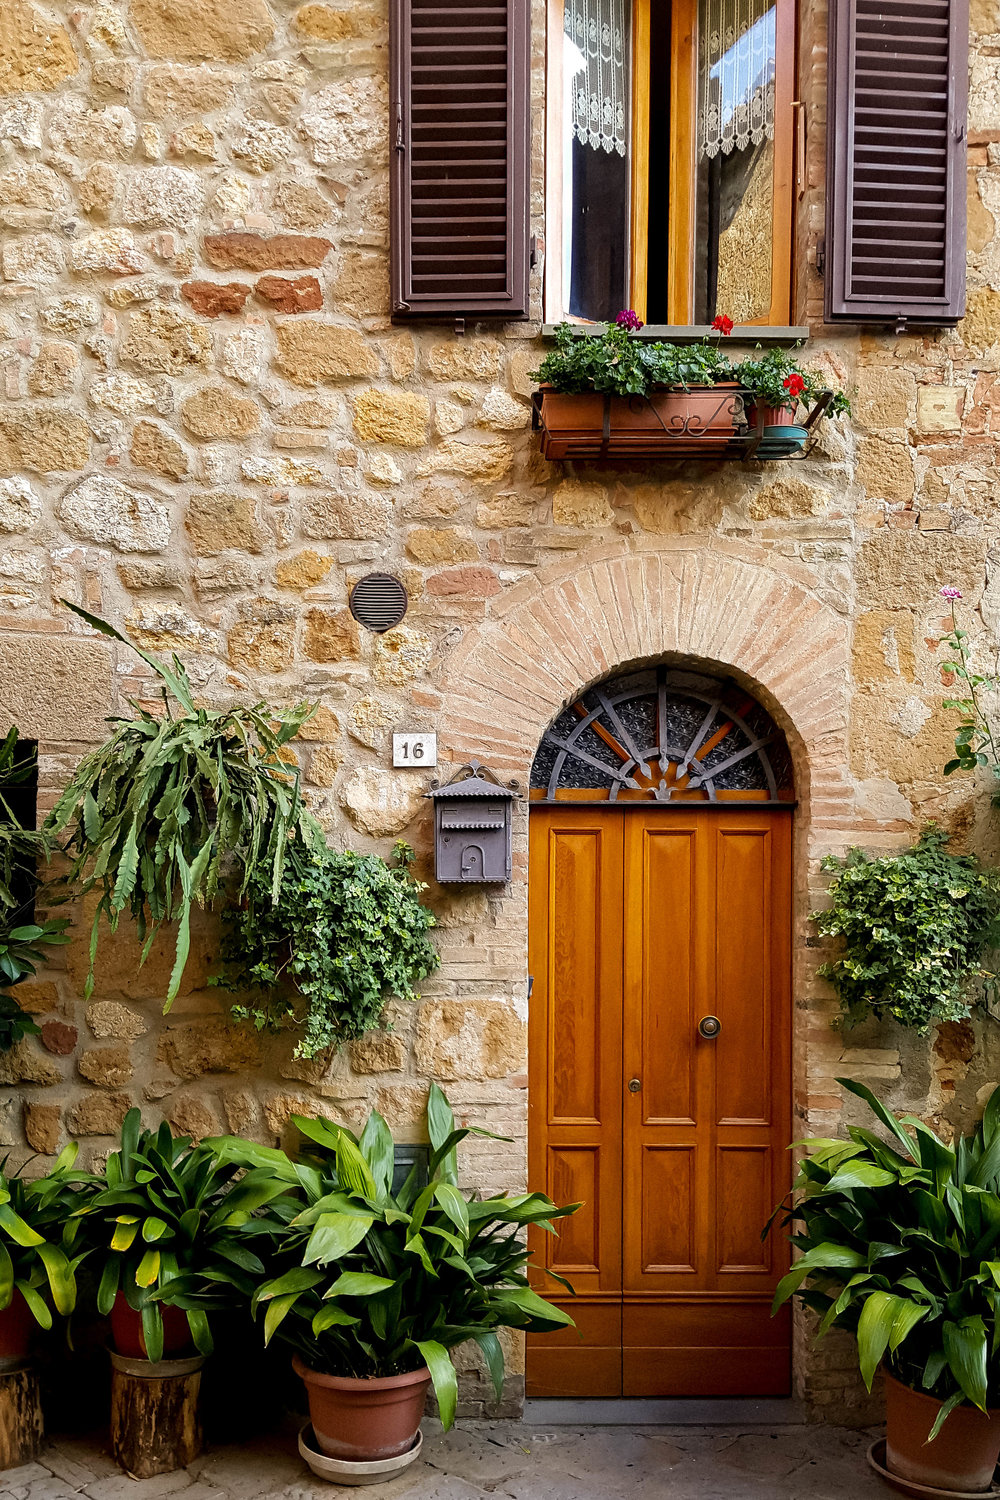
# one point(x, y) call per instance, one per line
point(689, 1411)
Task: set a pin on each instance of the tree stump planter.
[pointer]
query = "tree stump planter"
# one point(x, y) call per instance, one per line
point(21, 1424)
point(154, 1414)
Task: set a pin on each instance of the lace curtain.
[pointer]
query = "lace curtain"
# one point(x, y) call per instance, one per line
point(736, 75)
point(596, 59)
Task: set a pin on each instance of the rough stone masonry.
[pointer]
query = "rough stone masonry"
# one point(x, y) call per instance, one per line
point(210, 429)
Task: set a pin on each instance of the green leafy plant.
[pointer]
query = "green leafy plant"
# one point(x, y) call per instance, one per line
point(22, 938)
point(156, 812)
point(616, 362)
point(899, 1245)
point(975, 742)
point(373, 1283)
point(172, 1230)
point(914, 928)
point(40, 1247)
point(345, 932)
point(776, 379)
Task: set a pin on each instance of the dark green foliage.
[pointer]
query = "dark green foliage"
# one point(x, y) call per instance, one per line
point(157, 811)
point(366, 1283)
point(914, 928)
point(345, 933)
point(171, 1229)
point(40, 1244)
point(22, 939)
point(618, 363)
point(624, 366)
point(900, 1247)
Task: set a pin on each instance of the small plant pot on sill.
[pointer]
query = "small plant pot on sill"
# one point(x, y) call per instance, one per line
point(364, 1420)
point(962, 1457)
point(703, 422)
point(782, 435)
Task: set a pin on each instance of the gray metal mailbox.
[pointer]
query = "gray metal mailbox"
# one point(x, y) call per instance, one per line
point(472, 826)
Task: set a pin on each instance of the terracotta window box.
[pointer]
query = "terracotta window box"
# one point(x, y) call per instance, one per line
point(709, 422)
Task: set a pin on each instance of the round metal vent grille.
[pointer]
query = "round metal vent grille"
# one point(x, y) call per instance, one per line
point(378, 601)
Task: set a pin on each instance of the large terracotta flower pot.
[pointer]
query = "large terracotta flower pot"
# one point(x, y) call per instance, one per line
point(364, 1419)
point(962, 1457)
point(17, 1326)
point(126, 1331)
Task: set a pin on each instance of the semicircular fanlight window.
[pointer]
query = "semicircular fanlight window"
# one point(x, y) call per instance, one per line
point(665, 734)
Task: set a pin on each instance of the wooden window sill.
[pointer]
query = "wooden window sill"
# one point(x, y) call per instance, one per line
point(668, 333)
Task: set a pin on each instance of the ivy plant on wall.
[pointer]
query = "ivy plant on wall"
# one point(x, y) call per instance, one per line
point(22, 938)
point(914, 929)
point(344, 934)
point(173, 804)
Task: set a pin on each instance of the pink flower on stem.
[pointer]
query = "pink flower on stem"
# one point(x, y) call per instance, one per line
point(950, 593)
point(628, 319)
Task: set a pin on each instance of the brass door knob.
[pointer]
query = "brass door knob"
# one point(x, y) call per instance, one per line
point(709, 1027)
point(634, 1085)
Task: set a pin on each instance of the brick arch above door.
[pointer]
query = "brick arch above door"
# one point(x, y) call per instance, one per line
point(567, 628)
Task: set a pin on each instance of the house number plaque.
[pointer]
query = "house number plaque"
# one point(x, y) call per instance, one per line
point(415, 750)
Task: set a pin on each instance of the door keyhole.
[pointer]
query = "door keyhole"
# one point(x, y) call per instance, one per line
point(634, 1085)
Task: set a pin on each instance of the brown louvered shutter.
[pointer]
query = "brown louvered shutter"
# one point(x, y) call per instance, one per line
point(459, 149)
point(896, 180)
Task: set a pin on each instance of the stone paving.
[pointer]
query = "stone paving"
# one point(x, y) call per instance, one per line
point(508, 1460)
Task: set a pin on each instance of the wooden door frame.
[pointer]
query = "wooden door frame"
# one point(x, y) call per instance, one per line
point(538, 1016)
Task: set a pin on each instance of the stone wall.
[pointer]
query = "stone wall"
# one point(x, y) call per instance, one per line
point(211, 429)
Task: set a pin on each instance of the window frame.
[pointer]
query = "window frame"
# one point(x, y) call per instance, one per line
point(788, 164)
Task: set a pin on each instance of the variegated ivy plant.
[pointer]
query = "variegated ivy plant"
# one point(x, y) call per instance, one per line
point(368, 1281)
point(170, 802)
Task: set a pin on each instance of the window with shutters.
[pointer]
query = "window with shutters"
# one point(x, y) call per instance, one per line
point(459, 158)
point(895, 240)
point(671, 144)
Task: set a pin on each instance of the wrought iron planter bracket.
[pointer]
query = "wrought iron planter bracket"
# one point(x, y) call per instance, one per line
point(743, 444)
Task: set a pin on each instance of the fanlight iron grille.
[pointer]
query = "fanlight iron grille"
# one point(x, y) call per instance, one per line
point(668, 735)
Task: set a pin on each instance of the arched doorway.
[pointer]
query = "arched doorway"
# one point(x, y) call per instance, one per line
point(659, 1034)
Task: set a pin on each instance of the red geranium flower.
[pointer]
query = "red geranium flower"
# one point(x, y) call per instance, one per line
point(722, 324)
point(794, 384)
point(629, 319)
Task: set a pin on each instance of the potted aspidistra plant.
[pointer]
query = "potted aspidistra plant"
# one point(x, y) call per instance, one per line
point(174, 1233)
point(373, 1287)
point(899, 1235)
point(40, 1250)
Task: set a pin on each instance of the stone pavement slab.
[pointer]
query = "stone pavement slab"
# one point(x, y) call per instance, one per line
point(505, 1460)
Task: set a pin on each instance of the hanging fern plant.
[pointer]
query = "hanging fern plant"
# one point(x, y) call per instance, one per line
point(346, 932)
point(168, 806)
point(915, 928)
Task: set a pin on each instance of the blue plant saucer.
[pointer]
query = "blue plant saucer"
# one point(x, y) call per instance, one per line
point(781, 442)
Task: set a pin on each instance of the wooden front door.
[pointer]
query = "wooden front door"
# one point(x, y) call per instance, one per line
point(645, 921)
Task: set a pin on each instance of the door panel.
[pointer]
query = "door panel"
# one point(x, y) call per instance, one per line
point(643, 921)
point(575, 947)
